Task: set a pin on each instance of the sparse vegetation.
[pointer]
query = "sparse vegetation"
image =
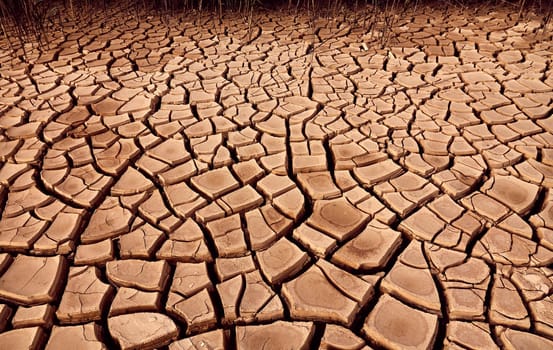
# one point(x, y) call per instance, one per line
point(29, 20)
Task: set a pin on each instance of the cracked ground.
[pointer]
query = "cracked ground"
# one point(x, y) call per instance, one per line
point(183, 184)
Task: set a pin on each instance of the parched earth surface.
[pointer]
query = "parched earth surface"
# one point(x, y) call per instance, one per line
point(186, 184)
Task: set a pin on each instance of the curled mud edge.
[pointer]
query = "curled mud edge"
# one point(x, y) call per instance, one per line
point(180, 183)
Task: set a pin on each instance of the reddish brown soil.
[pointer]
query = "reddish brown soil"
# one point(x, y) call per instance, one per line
point(195, 185)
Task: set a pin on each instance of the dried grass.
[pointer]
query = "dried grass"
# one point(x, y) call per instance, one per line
point(29, 20)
